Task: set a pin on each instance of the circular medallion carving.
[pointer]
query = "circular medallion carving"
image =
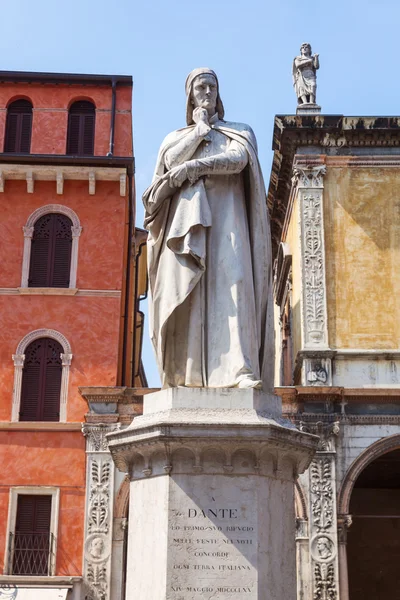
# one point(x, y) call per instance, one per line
point(96, 548)
point(323, 548)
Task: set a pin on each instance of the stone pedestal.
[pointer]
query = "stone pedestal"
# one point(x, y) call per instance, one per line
point(308, 109)
point(212, 496)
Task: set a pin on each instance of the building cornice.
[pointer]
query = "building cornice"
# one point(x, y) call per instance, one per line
point(39, 426)
point(126, 162)
point(66, 78)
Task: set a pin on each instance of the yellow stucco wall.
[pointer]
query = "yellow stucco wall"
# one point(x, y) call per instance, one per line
point(362, 242)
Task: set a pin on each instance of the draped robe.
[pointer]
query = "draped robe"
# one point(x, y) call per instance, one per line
point(209, 263)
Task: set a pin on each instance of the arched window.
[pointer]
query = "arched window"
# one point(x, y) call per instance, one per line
point(51, 252)
point(18, 127)
point(39, 391)
point(41, 381)
point(81, 120)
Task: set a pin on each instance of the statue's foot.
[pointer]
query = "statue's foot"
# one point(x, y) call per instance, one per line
point(246, 384)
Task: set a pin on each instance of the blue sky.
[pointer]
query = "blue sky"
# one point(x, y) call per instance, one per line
point(249, 43)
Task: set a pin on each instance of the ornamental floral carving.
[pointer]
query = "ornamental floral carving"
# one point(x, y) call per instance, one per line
point(325, 585)
point(322, 494)
point(313, 270)
point(308, 179)
point(309, 176)
point(323, 518)
point(96, 582)
point(98, 518)
point(99, 508)
point(96, 437)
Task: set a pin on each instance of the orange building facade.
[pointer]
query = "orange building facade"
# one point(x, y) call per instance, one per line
point(71, 276)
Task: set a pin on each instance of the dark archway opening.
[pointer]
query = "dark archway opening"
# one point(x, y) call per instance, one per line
point(373, 546)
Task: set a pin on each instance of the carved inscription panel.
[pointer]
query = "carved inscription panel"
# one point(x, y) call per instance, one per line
point(212, 542)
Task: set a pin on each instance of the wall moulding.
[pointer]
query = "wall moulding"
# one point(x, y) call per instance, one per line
point(32, 173)
point(236, 457)
point(26, 291)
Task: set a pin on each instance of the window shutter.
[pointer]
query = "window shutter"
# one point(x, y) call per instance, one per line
point(26, 129)
point(40, 252)
point(18, 127)
point(62, 251)
point(31, 382)
point(81, 126)
point(32, 535)
point(52, 382)
point(73, 134)
point(41, 381)
point(11, 134)
point(33, 514)
point(51, 248)
point(88, 134)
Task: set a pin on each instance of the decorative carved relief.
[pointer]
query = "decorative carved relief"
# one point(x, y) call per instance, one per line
point(323, 519)
point(309, 177)
point(325, 584)
point(202, 457)
point(309, 182)
point(99, 507)
point(96, 437)
point(322, 494)
point(317, 372)
point(313, 270)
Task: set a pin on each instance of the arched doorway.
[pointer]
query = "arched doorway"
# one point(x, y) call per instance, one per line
point(373, 542)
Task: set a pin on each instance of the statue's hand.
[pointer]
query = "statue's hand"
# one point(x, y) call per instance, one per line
point(177, 176)
point(200, 115)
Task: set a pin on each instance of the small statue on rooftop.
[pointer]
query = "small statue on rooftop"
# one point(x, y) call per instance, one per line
point(305, 75)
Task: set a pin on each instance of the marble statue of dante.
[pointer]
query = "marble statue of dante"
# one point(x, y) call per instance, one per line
point(209, 254)
point(305, 75)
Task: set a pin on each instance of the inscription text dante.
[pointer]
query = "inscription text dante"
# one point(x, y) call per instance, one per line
point(213, 548)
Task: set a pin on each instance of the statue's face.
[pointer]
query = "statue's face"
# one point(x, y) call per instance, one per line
point(306, 50)
point(204, 92)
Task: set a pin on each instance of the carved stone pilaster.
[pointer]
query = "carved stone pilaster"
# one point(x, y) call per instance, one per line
point(309, 181)
point(322, 511)
point(99, 512)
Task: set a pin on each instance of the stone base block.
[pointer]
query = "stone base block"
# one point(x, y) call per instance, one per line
point(308, 109)
point(213, 398)
point(212, 497)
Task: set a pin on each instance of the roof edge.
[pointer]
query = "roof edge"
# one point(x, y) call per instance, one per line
point(67, 78)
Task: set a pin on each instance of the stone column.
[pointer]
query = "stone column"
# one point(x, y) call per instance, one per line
point(322, 514)
point(28, 234)
point(303, 560)
point(316, 365)
point(212, 485)
point(344, 522)
point(99, 512)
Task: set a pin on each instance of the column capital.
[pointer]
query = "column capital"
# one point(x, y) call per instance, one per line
point(308, 176)
point(28, 231)
point(344, 522)
point(95, 435)
point(18, 359)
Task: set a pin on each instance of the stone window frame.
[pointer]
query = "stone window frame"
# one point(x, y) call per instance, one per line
point(19, 359)
point(16, 491)
point(28, 230)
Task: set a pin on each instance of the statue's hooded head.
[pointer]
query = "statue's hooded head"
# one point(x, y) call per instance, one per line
point(189, 101)
point(306, 48)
